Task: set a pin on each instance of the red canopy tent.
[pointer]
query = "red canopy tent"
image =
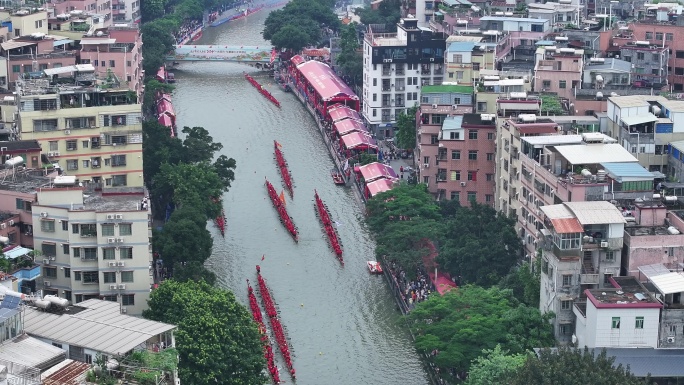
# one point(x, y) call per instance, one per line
point(380, 185)
point(167, 120)
point(164, 106)
point(297, 60)
point(347, 126)
point(161, 74)
point(323, 88)
point(339, 112)
point(166, 97)
point(358, 141)
point(375, 171)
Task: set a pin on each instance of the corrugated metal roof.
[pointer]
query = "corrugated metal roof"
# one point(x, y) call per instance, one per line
point(642, 362)
point(101, 327)
point(567, 225)
point(679, 145)
point(639, 119)
point(453, 122)
point(634, 100)
point(595, 213)
point(32, 352)
point(557, 212)
point(625, 172)
point(551, 140)
point(669, 283)
point(461, 46)
point(595, 154)
point(68, 69)
point(16, 44)
point(654, 270)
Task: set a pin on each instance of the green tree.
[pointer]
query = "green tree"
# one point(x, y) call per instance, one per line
point(193, 271)
point(195, 185)
point(365, 159)
point(225, 169)
point(481, 245)
point(494, 367)
point(292, 38)
point(299, 23)
point(152, 86)
point(184, 238)
point(350, 59)
point(217, 341)
point(524, 282)
point(462, 322)
point(198, 145)
point(406, 123)
point(157, 42)
point(569, 366)
point(402, 220)
point(158, 148)
point(387, 14)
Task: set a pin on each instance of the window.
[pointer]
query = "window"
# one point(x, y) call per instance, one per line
point(640, 56)
point(455, 155)
point(109, 277)
point(610, 256)
point(79, 123)
point(639, 323)
point(562, 84)
point(125, 252)
point(455, 136)
point(673, 330)
point(659, 36)
point(546, 83)
point(112, 63)
point(472, 155)
point(16, 68)
point(117, 120)
point(110, 298)
point(566, 305)
point(125, 229)
point(375, 97)
point(67, 295)
point(434, 139)
point(126, 276)
point(481, 106)
point(76, 252)
point(490, 136)
point(65, 226)
point(72, 164)
point(472, 134)
point(108, 253)
point(118, 160)
point(565, 329)
point(90, 277)
point(472, 196)
point(458, 59)
point(45, 125)
point(67, 272)
point(472, 175)
point(679, 70)
point(476, 66)
point(490, 177)
point(606, 278)
point(65, 248)
point(128, 299)
point(490, 156)
point(89, 253)
point(47, 225)
point(615, 324)
point(107, 229)
point(86, 163)
point(89, 230)
point(50, 272)
point(649, 35)
point(119, 180)
point(455, 175)
point(656, 58)
point(49, 249)
point(77, 275)
point(567, 279)
point(455, 196)
point(54, 145)
point(669, 37)
point(489, 198)
point(71, 145)
point(128, 63)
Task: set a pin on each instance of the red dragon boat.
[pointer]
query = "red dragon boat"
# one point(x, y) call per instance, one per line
point(284, 171)
point(220, 222)
point(272, 312)
point(282, 212)
point(262, 90)
point(324, 216)
point(268, 350)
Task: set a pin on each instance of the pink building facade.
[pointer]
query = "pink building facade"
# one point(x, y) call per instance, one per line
point(28, 54)
point(16, 222)
point(651, 239)
point(558, 71)
point(118, 49)
point(99, 7)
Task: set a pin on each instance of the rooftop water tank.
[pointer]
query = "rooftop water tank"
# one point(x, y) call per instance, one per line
point(673, 230)
point(586, 173)
point(528, 118)
point(63, 302)
point(14, 162)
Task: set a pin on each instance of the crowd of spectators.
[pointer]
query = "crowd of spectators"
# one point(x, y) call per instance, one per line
point(412, 291)
point(186, 30)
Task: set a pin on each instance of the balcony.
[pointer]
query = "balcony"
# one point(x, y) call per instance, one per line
point(400, 72)
point(386, 72)
point(27, 273)
point(589, 243)
point(589, 275)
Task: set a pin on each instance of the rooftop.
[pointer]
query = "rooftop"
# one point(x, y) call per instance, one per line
point(669, 283)
point(595, 153)
point(514, 19)
point(32, 352)
point(109, 200)
point(19, 146)
point(630, 294)
point(609, 65)
point(627, 171)
point(79, 78)
point(635, 100)
point(94, 324)
point(23, 181)
point(67, 372)
point(460, 46)
point(596, 212)
point(477, 120)
point(642, 362)
point(447, 88)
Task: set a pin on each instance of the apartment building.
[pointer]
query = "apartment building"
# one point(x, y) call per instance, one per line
point(649, 62)
point(644, 125)
point(671, 35)
point(521, 30)
point(90, 125)
point(623, 314)
point(395, 67)
point(25, 21)
point(469, 54)
point(94, 244)
point(600, 73)
point(554, 13)
point(558, 70)
point(438, 103)
point(505, 93)
point(35, 53)
point(117, 50)
point(580, 250)
point(90, 7)
point(465, 164)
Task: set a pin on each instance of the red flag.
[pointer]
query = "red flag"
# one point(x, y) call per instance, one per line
point(274, 54)
point(263, 257)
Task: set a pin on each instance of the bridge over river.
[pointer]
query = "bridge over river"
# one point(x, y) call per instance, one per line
point(241, 54)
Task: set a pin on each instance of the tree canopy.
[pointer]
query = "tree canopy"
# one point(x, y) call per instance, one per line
point(299, 23)
point(462, 322)
point(570, 366)
point(494, 367)
point(184, 238)
point(350, 58)
point(217, 340)
point(406, 123)
point(481, 245)
point(388, 14)
point(524, 281)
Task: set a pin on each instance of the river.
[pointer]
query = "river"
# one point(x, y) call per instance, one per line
point(343, 323)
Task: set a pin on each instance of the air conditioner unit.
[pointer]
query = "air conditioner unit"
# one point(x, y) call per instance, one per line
point(122, 287)
point(119, 240)
point(463, 184)
point(462, 65)
point(44, 214)
point(400, 88)
point(67, 132)
point(52, 257)
point(112, 287)
point(434, 106)
point(524, 223)
point(110, 216)
point(111, 240)
point(124, 310)
point(56, 153)
point(553, 191)
point(539, 212)
point(2, 226)
point(670, 340)
point(118, 216)
point(426, 165)
point(46, 261)
point(604, 244)
point(121, 263)
point(454, 107)
point(47, 283)
point(524, 201)
point(112, 264)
